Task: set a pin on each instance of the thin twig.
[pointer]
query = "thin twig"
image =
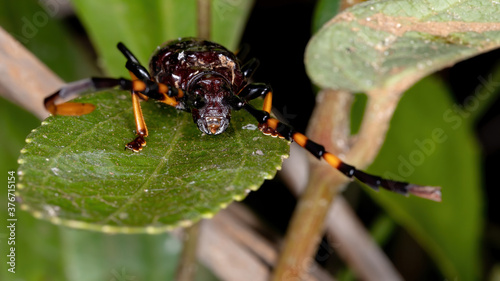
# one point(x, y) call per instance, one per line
point(343, 228)
point(307, 222)
point(24, 79)
point(356, 246)
point(186, 268)
point(204, 19)
point(236, 251)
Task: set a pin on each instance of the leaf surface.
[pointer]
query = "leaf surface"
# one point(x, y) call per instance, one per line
point(393, 44)
point(75, 170)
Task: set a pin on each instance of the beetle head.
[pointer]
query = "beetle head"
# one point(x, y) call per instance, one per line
point(208, 102)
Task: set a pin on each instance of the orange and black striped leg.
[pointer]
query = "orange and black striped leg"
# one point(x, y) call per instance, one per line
point(266, 91)
point(274, 127)
point(57, 102)
point(428, 192)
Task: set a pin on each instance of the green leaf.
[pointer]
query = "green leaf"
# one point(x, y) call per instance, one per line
point(76, 172)
point(430, 143)
point(144, 25)
point(392, 44)
point(323, 12)
point(229, 19)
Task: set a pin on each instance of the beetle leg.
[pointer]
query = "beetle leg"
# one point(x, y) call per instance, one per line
point(272, 126)
point(141, 95)
point(140, 124)
point(133, 64)
point(141, 129)
point(57, 102)
point(248, 69)
point(254, 90)
point(243, 51)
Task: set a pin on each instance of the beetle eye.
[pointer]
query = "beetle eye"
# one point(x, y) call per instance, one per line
point(235, 102)
point(199, 102)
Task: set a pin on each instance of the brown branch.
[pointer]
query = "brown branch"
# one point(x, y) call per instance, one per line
point(343, 228)
point(204, 18)
point(232, 245)
point(24, 79)
point(355, 245)
point(331, 130)
point(307, 224)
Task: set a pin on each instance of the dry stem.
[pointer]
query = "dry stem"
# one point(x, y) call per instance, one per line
point(24, 79)
point(329, 126)
point(307, 223)
point(186, 268)
point(204, 18)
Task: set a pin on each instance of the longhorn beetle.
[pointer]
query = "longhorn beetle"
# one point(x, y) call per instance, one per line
point(206, 79)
